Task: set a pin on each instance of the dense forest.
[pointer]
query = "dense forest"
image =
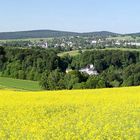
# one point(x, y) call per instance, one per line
point(115, 68)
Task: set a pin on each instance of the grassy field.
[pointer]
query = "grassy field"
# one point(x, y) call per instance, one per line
point(71, 53)
point(102, 114)
point(123, 49)
point(18, 84)
point(127, 37)
point(28, 39)
point(76, 52)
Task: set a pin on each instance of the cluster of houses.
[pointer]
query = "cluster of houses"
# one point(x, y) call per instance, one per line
point(108, 42)
point(42, 44)
point(76, 42)
point(105, 42)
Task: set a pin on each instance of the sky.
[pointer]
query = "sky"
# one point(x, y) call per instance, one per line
point(120, 16)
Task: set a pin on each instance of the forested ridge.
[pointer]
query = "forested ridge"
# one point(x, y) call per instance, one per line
point(50, 33)
point(115, 68)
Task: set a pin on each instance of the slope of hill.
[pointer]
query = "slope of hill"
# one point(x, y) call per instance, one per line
point(134, 34)
point(9, 83)
point(100, 34)
point(49, 33)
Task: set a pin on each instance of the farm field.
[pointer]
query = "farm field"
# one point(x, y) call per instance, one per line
point(76, 52)
point(121, 38)
point(71, 115)
point(28, 39)
point(71, 53)
point(126, 37)
point(9, 83)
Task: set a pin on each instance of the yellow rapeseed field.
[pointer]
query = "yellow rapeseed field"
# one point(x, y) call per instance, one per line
point(102, 114)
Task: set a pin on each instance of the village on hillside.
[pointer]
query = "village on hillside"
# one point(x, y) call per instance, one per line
point(74, 42)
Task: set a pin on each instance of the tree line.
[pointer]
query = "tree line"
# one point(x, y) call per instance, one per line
point(115, 68)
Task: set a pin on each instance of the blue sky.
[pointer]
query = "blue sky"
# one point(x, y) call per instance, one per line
point(120, 16)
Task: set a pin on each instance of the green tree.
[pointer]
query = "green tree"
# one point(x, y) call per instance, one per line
point(55, 81)
point(44, 80)
point(72, 78)
point(2, 57)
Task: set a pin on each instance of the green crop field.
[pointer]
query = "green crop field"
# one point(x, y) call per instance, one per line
point(123, 49)
point(28, 39)
point(9, 83)
point(76, 52)
point(127, 37)
point(71, 53)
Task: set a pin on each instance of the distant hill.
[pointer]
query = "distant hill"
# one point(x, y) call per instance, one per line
point(100, 34)
point(134, 34)
point(50, 33)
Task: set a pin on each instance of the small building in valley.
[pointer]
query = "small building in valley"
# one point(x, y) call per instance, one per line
point(90, 70)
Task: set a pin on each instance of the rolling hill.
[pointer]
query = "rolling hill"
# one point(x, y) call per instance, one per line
point(17, 84)
point(134, 34)
point(49, 34)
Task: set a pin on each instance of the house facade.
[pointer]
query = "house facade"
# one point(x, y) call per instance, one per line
point(90, 70)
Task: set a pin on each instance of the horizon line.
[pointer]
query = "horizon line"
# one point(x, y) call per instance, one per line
point(30, 30)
